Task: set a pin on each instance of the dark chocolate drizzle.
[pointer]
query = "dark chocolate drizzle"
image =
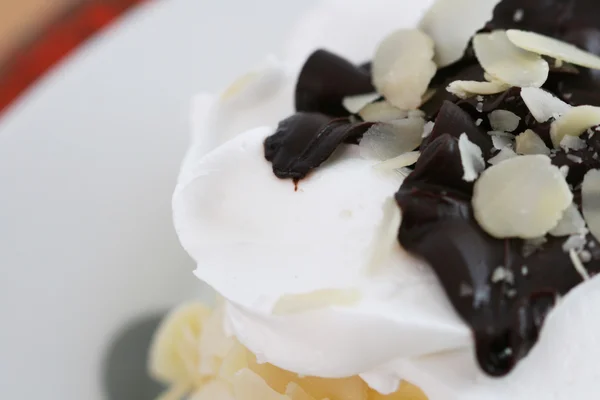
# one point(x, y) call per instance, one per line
point(326, 79)
point(506, 315)
point(305, 140)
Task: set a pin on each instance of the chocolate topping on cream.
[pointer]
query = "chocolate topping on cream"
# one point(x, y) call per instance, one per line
point(502, 287)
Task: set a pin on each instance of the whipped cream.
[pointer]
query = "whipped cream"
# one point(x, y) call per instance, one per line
point(256, 240)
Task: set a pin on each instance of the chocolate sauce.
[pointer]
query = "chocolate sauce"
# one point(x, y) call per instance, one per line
point(326, 79)
point(503, 288)
point(304, 141)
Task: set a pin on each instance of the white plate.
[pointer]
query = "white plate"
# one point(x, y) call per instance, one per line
point(88, 160)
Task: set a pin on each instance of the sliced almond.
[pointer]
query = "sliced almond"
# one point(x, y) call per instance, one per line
point(356, 103)
point(404, 160)
point(427, 129)
point(467, 89)
point(451, 38)
point(590, 201)
point(506, 62)
point(471, 157)
point(504, 120)
point(501, 142)
point(543, 105)
point(523, 197)
point(505, 154)
point(574, 122)
point(578, 265)
point(571, 223)
point(529, 143)
point(381, 111)
point(298, 303)
point(389, 140)
point(403, 67)
point(551, 47)
point(572, 143)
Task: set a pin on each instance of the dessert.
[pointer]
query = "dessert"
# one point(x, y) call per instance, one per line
point(429, 216)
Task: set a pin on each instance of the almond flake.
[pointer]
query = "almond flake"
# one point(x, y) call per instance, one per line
point(572, 143)
point(590, 201)
point(472, 158)
point(506, 62)
point(522, 197)
point(552, 47)
point(529, 143)
point(578, 265)
point(403, 67)
point(381, 111)
point(574, 122)
point(404, 160)
point(388, 140)
point(467, 89)
point(543, 105)
point(504, 120)
point(574, 242)
point(356, 103)
point(571, 223)
point(505, 154)
point(500, 141)
point(298, 303)
point(427, 129)
point(451, 38)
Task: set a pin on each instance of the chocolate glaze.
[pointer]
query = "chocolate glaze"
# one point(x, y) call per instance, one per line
point(326, 79)
point(438, 225)
point(304, 141)
point(506, 315)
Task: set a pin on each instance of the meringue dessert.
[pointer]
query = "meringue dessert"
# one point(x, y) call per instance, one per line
point(421, 221)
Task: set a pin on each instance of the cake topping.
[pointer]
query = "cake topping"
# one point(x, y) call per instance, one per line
point(471, 157)
point(305, 140)
point(496, 201)
point(523, 197)
point(504, 120)
point(554, 48)
point(574, 122)
point(466, 89)
point(571, 223)
point(325, 80)
point(357, 102)
point(403, 68)
point(529, 143)
point(543, 105)
point(381, 111)
point(384, 141)
point(500, 58)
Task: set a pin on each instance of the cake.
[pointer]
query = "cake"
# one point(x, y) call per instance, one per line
point(407, 217)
